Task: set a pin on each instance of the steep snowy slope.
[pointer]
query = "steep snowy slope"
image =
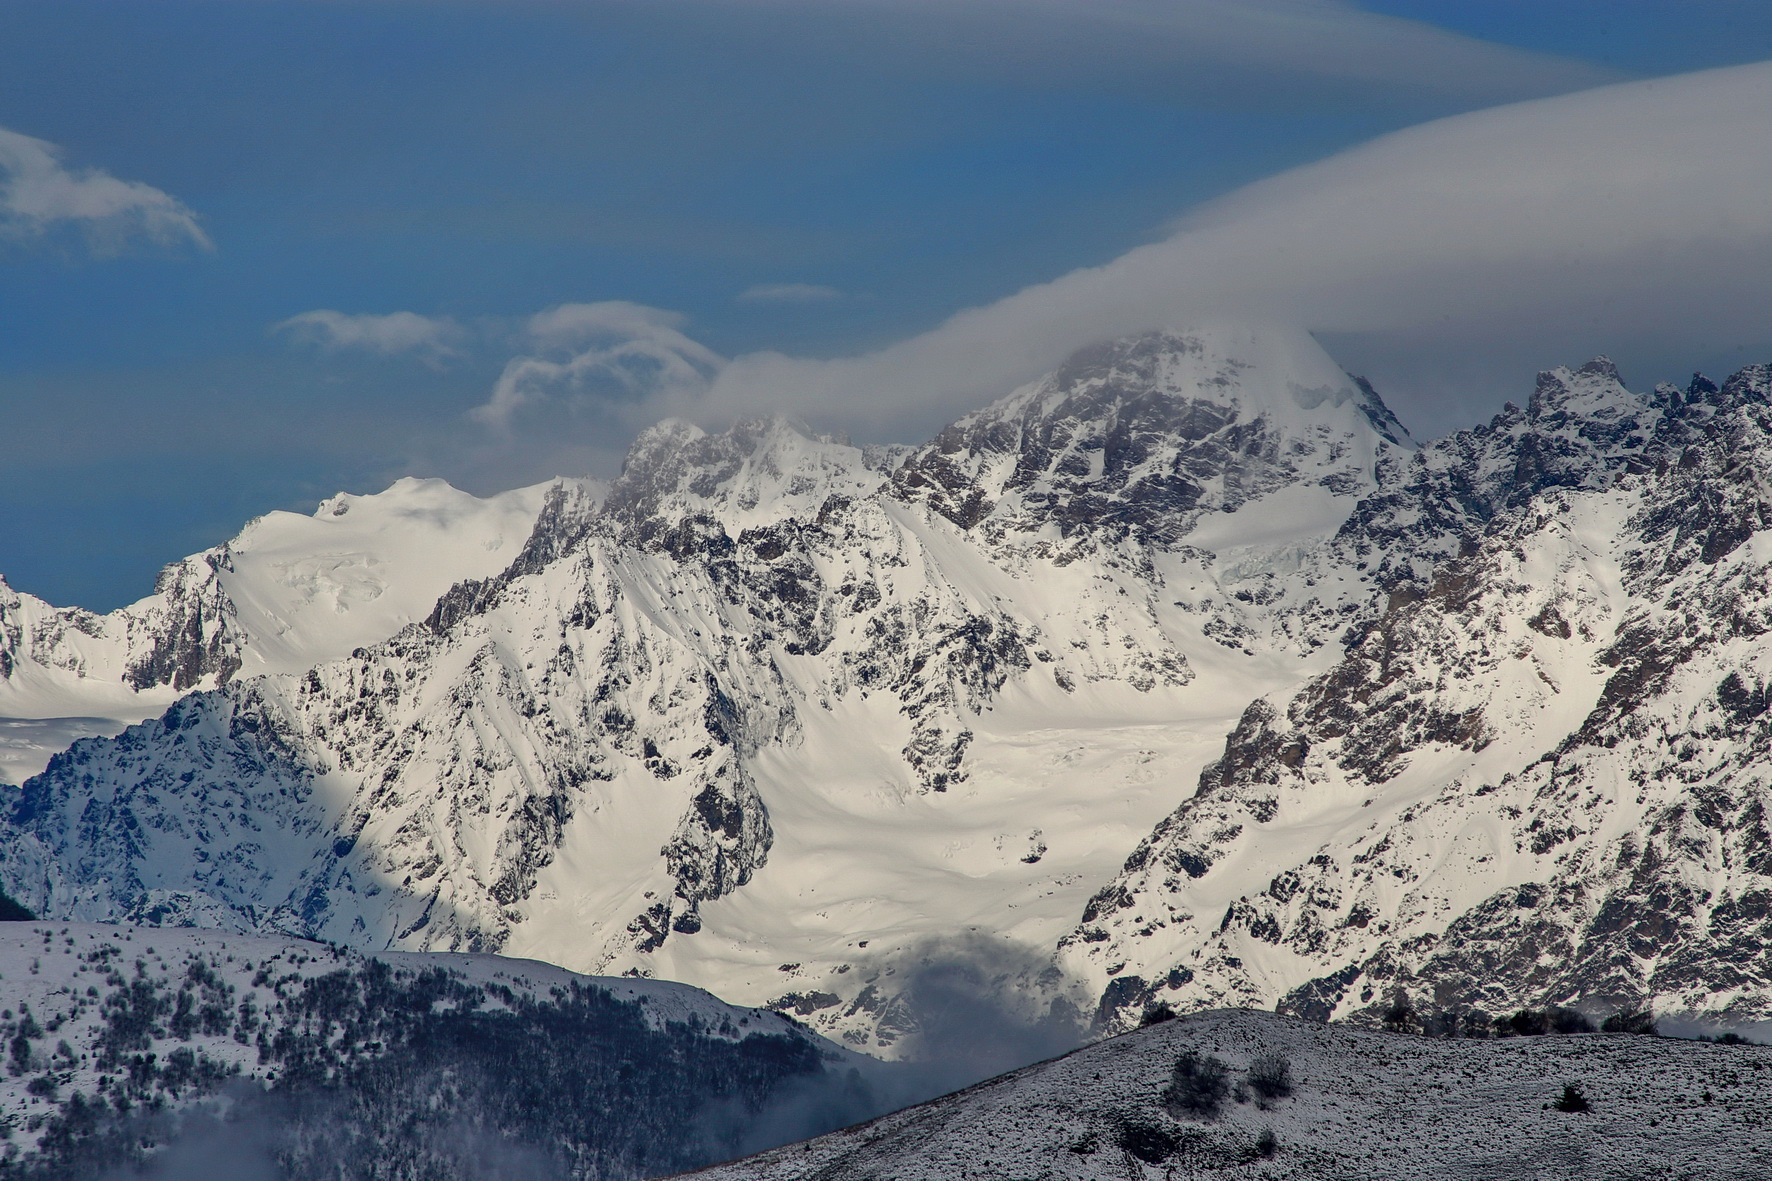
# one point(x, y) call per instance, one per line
point(1541, 775)
point(288, 593)
point(1302, 1101)
point(460, 1066)
point(774, 714)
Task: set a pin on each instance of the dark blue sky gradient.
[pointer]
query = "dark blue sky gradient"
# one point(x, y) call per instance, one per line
point(484, 162)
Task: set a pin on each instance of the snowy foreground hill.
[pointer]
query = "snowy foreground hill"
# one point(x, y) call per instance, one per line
point(1241, 1094)
point(1181, 676)
point(229, 1056)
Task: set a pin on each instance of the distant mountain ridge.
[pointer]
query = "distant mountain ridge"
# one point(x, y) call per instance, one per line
point(772, 713)
point(287, 593)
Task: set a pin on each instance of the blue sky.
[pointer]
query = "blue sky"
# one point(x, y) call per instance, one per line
point(863, 169)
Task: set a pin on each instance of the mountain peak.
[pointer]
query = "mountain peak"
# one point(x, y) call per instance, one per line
point(1593, 391)
point(1144, 433)
point(758, 470)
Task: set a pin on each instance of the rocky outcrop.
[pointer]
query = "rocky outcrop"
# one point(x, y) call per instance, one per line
point(1137, 438)
point(1537, 776)
point(184, 636)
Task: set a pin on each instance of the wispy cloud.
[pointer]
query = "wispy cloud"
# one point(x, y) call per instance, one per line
point(789, 293)
point(389, 334)
point(1330, 39)
point(1632, 213)
point(38, 193)
point(609, 352)
point(1233, 50)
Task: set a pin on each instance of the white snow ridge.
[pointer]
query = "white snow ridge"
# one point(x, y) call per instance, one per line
point(1182, 675)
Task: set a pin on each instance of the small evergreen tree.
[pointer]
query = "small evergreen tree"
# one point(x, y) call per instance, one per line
point(1640, 1021)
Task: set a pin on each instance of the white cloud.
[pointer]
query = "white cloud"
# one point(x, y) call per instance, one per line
point(1628, 214)
point(609, 352)
point(1198, 46)
point(38, 193)
point(395, 332)
point(789, 293)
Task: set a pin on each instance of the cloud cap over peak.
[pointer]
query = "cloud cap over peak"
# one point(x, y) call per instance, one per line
point(1187, 46)
point(1636, 212)
point(612, 351)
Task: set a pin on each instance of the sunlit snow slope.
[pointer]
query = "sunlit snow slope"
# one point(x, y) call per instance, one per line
point(288, 593)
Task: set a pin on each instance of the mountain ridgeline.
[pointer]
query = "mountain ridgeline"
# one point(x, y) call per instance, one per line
point(1183, 673)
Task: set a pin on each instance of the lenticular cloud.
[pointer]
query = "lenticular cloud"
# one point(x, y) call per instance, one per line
point(1638, 211)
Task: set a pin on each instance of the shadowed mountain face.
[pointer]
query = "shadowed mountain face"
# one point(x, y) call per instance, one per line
point(771, 712)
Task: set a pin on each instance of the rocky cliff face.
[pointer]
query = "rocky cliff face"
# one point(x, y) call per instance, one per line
point(181, 637)
point(1539, 774)
point(1139, 438)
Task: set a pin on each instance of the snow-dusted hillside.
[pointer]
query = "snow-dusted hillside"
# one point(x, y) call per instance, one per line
point(781, 717)
point(288, 593)
point(1354, 1104)
point(318, 1056)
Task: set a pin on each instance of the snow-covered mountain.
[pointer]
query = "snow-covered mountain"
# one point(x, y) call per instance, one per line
point(289, 592)
point(768, 714)
point(777, 715)
point(1540, 773)
point(215, 1055)
point(1239, 1094)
